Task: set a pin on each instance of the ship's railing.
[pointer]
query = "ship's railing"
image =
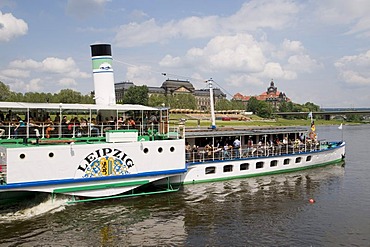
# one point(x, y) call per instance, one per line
point(201, 154)
point(2, 174)
point(73, 130)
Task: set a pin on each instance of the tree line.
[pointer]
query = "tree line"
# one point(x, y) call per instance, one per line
point(140, 95)
point(63, 96)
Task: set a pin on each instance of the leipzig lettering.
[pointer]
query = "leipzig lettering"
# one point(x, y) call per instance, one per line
point(103, 152)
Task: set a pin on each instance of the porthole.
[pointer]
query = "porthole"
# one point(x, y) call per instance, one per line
point(298, 160)
point(160, 150)
point(259, 165)
point(286, 161)
point(244, 166)
point(146, 150)
point(308, 158)
point(228, 168)
point(22, 156)
point(273, 163)
point(172, 149)
point(51, 155)
point(210, 170)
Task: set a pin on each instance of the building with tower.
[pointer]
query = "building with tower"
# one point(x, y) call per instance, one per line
point(173, 87)
point(272, 96)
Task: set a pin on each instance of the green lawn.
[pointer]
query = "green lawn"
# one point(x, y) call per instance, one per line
point(255, 121)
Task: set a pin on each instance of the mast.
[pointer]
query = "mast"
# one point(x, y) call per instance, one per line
point(213, 118)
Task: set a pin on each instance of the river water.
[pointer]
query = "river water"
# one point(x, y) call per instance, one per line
point(265, 211)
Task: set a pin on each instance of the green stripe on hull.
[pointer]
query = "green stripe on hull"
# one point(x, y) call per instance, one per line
point(338, 161)
point(100, 186)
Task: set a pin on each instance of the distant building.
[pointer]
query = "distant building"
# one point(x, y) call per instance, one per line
point(173, 87)
point(272, 96)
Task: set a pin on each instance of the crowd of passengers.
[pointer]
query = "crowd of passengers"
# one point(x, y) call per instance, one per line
point(65, 127)
point(234, 149)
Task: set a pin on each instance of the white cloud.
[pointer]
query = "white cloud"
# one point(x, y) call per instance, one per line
point(254, 15)
point(46, 74)
point(262, 14)
point(245, 58)
point(354, 70)
point(292, 46)
point(141, 75)
point(34, 85)
point(25, 64)
point(83, 9)
point(11, 27)
point(274, 70)
point(67, 82)
point(353, 13)
point(66, 67)
point(15, 73)
point(238, 53)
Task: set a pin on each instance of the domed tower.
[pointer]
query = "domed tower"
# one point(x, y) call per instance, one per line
point(271, 88)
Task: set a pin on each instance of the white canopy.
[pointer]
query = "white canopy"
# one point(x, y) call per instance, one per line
point(61, 106)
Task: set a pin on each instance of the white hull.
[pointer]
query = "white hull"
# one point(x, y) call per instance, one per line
point(215, 170)
point(91, 170)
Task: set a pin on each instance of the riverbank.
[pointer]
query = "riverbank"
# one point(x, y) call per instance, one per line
point(253, 121)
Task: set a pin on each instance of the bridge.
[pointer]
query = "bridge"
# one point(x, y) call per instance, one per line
point(329, 113)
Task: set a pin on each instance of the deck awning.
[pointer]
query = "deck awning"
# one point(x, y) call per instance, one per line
point(62, 106)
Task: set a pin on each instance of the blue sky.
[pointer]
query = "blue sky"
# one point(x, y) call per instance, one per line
point(316, 51)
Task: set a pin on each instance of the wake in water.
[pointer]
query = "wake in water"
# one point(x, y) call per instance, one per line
point(33, 209)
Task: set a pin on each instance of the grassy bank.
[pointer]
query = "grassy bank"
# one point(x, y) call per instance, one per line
point(254, 121)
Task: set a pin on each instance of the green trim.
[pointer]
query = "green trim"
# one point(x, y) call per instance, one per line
point(100, 186)
point(337, 161)
point(123, 130)
point(123, 196)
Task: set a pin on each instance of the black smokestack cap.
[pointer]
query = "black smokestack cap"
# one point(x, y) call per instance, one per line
point(101, 50)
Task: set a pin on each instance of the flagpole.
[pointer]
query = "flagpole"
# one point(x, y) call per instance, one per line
point(341, 128)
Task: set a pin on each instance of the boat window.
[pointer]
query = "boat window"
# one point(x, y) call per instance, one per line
point(228, 168)
point(22, 156)
point(146, 150)
point(273, 163)
point(259, 165)
point(160, 149)
point(286, 161)
point(51, 155)
point(309, 158)
point(298, 160)
point(244, 166)
point(210, 170)
point(172, 149)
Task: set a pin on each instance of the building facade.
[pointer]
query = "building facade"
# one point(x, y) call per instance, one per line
point(172, 87)
point(272, 96)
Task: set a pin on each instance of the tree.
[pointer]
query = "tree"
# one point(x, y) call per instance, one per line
point(253, 105)
point(68, 96)
point(264, 110)
point(182, 101)
point(156, 100)
point(311, 106)
point(222, 104)
point(5, 92)
point(136, 95)
point(237, 105)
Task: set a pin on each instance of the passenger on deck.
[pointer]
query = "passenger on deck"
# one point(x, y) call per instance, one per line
point(237, 147)
point(226, 153)
point(188, 151)
point(2, 131)
point(208, 150)
point(132, 123)
point(18, 127)
point(120, 123)
point(93, 127)
point(194, 151)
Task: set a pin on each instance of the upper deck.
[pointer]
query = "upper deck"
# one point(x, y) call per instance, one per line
point(23, 124)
